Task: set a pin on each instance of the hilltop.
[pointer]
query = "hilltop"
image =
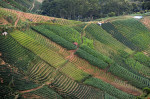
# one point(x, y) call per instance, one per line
point(48, 57)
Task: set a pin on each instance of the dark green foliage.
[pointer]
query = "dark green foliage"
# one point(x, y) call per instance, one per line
point(6, 5)
point(14, 53)
point(107, 96)
point(143, 59)
point(91, 59)
point(96, 54)
point(123, 54)
point(16, 5)
point(133, 79)
point(147, 90)
point(91, 9)
point(116, 34)
point(108, 88)
point(65, 32)
point(12, 82)
point(55, 38)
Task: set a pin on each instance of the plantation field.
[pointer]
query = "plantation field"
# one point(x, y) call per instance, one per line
point(135, 31)
point(46, 54)
point(45, 57)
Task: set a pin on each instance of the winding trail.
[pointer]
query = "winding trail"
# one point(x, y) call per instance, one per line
point(19, 15)
point(26, 91)
point(33, 4)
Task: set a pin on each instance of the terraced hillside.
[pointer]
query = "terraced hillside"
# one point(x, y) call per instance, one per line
point(44, 57)
point(21, 5)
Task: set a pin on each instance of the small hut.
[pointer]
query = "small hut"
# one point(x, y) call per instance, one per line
point(75, 43)
point(138, 17)
point(5, 33)
point(99, 23)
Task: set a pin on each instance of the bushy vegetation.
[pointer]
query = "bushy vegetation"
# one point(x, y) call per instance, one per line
point(133, 79)
point(92, 9)
point(52, 36)
point(91, 59)
point(96, 54)
point(142, 58)
point(108, 88)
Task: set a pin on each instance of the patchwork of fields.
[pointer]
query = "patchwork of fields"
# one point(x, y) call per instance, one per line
point(52, 58)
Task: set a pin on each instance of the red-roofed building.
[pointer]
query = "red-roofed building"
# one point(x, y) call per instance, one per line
point(75, 43)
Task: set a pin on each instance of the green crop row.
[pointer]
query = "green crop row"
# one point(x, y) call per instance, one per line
point(74, 90)
point(96, 54)
point(116, 34)
point(101, 35)
point(134, 31)
point(108, 88)
point(65, 32)
point(36, 47)
point(55, 38)
point(142, 58)
point(137, 66)
point(91, 59)
point(133, 79)
point(14, 53)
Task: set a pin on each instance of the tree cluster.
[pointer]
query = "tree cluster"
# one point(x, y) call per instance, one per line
point(91, 9)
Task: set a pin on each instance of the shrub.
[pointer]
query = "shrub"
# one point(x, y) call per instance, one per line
point(143, 59)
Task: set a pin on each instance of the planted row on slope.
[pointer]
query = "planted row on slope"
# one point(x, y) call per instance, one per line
point(142, 58)
point(37, 48)
point(116, 34)
point(65, 32)
point(137, 66)
point(67, 87)
point(96, 54)
point(52, 36)
point(101, 35)
point(133, 79)
point(14, 53)
point(134, 31)
point(91, 59)
point(108, 88)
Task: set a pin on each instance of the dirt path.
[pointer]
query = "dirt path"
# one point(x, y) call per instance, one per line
point(84, 34)
point(146, 21)
point(19, 14)
point(26, 91)
point(32, 5)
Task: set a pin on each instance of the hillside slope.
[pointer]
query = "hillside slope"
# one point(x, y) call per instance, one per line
point(58, 58)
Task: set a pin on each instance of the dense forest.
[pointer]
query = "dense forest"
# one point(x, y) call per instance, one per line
point(92, 9)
